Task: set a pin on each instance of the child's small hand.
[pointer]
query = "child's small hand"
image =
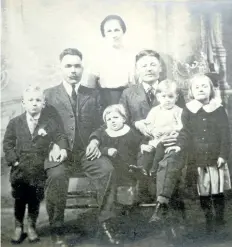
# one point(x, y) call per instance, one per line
point(220, 162)
point(146, 148)
point(112, 152)
point(176, 149)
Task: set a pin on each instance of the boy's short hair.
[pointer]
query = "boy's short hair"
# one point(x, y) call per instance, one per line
point(109, 18)
point(115, 108)
point(33, 88)
point(166, 85)
point(197, 76)
point(72, 52)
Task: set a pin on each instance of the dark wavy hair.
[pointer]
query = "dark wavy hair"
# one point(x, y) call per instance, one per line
point(145, 53)
point(70, 51)
point(112, 17)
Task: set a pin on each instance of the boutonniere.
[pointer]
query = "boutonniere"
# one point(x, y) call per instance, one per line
point(42, 132)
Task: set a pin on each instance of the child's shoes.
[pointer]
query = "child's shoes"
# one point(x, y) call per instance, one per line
point(32, 235)
point(18, 236)
point(160, 212)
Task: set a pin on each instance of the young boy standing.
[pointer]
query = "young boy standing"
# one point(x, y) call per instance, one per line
point(26, 145)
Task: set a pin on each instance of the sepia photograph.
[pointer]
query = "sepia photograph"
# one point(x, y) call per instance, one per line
point(116, 123)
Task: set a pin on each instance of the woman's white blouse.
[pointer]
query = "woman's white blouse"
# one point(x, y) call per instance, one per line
point(114, 68)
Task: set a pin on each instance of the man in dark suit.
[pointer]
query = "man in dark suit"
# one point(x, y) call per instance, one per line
point(138, 101)
point(80, 111)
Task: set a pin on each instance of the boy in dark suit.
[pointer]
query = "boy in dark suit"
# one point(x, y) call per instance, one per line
point(26, 145)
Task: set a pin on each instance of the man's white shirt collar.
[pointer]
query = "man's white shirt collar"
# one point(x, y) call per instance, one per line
point(68, 87)
point(147, 87)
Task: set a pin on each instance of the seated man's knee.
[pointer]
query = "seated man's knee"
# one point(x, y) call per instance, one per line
point(105, 165)
point(56, 173)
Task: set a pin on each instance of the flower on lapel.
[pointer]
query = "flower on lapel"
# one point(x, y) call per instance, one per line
point(42, 132)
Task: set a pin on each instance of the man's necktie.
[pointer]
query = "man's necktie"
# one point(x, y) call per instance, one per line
point(150, 95)
point(74, 96)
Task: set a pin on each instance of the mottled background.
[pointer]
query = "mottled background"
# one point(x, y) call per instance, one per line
point(34, 32)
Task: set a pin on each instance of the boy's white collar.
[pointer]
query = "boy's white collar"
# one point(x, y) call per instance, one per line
point(120, 132)
point(36, 117)
point(194, 105)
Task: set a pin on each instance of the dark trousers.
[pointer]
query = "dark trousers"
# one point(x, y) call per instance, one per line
point(25, 194)
point(145, 160)
point(166, 172)
point(99, 170)
point(169, 173)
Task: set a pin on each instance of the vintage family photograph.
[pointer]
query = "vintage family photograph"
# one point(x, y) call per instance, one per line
point(116, 123)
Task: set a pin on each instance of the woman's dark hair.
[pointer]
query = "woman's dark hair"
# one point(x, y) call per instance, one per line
point(144, 53)
point(71, 51)
point(112, 17)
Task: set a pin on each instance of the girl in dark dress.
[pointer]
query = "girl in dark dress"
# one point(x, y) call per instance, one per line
point(206, 133)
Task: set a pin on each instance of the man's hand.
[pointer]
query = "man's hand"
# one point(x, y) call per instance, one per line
point(220, 162)
point(54, 153)
point(112, 152)
point(146, 148)
point(170, 140)
point(16, 163)
point(173, 148)
point(141, 125)
point(92, 150)
point(63, 155)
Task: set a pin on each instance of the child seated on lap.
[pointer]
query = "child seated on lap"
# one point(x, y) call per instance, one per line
point(162, 121)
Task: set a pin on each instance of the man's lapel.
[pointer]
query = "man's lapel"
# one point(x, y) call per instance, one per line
point(82, 96)
point(142, 96)
point(62, 96)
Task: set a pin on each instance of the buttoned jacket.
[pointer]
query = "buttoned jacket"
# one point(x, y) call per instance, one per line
point(206, 135)
point(84, 119)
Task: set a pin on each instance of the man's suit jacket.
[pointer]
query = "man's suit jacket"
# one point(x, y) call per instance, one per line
point(86, 117)
point(137, 105)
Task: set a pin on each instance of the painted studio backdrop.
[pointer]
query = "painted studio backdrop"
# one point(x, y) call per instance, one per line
point(191, 37)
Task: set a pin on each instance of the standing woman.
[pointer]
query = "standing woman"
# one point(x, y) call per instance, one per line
point(113, 71)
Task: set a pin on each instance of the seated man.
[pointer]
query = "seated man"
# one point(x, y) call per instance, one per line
point(139, 99)
point(79, 110)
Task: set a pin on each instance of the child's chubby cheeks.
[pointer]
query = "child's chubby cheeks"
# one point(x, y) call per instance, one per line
point(114, 121)
point(167, 98)
point(33, 102)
